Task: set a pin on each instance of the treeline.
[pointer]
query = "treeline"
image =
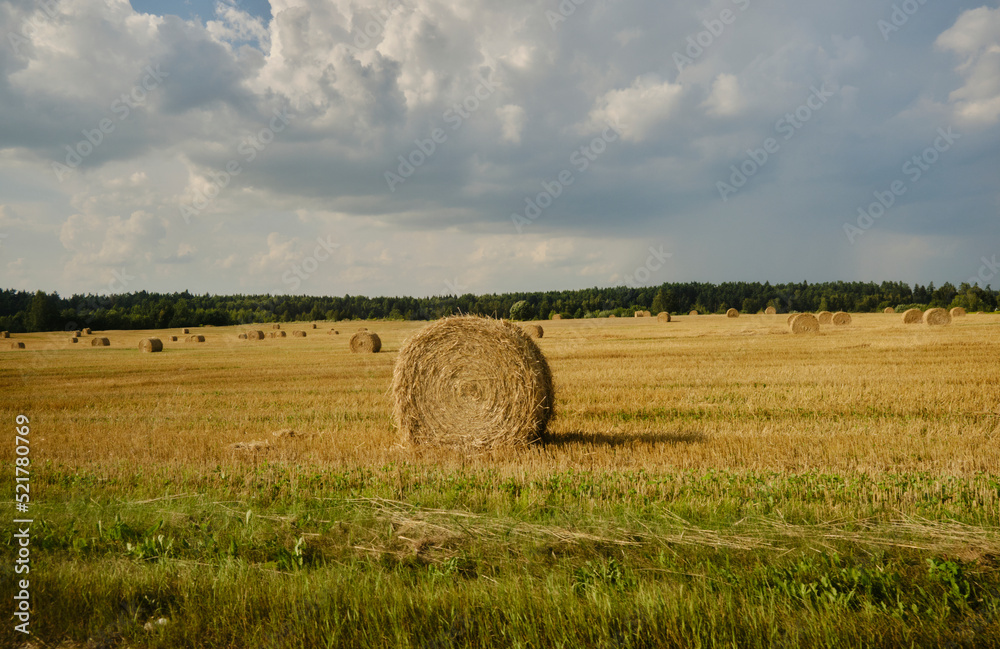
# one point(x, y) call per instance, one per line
point(22, 311)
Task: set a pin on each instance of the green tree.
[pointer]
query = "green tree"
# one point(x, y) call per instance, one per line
point(44, 315)
point(521, 310)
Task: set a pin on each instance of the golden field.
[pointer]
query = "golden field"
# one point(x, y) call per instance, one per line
point(698, 393)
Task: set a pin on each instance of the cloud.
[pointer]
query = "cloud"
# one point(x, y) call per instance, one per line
point(512, 118)
point(638, 110)
point(975, 37)
point(725, 99)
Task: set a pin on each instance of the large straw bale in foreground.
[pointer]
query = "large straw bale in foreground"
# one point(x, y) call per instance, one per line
point(841, 318)
point(912, 316)
point(150, 345)
point(825, 317)
point(366, 342)
point(957, 312)
point(472, 382)
point(535, 331)
point(804, 323)
point(663, 316)
point(937, 317)
point(732, 313)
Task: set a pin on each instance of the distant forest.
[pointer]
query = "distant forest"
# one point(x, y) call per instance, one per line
point(23, 311)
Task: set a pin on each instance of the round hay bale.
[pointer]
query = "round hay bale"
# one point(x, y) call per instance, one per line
point(557, 316)
point(173, 339)
point(640, 314)
point(732, 313)
point(185, 331)
point(791, 316)
point(281, 334)
point(242, 337)
point(100, 342)
point(535, 331)
point(276, 326)
point(693, 313)
point(4, 334)
point(17, 345)
point(78, 334)
point(888, 309)
point(471, 382)
point(87, 331)
point(366, 342)
point(314, 325)
point(937, 317)
point(299, 334)
point(804, 323)
point(824, 317)
point(254, 334)
point(612, 316)
point(912, 316)
point(198, 338)
point(663, 316)
point(957, 312)
point(770, 310)
point(841, 318)
point(150, 345)
point(74, 339)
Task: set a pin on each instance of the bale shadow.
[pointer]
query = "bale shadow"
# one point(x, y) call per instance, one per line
point(622, 439)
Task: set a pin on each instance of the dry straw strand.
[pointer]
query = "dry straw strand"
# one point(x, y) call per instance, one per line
point(732, 313)
point(663, 316)
point(535, 331)
point(825, 317)
point(957, 312)
point(366, 342)
point(472, 382)
point(841, 318)
point(804, 323)
point(151, 345)
point(912, 316)
point(889, 309)
point(937, 317)
point(100, 342)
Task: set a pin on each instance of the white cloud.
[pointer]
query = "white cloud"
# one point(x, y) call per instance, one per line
point(975, 37)
point(638, 110)
point(512, 120)
point(725, 99)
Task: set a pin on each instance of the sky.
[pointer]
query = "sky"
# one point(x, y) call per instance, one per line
point(436, 147)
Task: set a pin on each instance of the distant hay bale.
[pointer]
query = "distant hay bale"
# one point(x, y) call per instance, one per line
point(535, 331)
point(242, 337)
point(87, 331)
point(4, 334)
point(281, 334)
point(663, 316)
point(841, 318)
point(78, 334)
point(100, 342)
point(693, 313)
point(770, 310)
point(937, 317)
point(17, 345)
point(647, 314)
point(804, 323)
point(824, 317)
point(150, 345)
point(474, 383)
point(640, 314)
point(557, 316)
point(314, 325)
point(957, 312)
point(365, 342)
point(185, 331)
point(732, 313)
point(173, 339)
point(299, 334)
point(276, 326)
point(74, 339)
point(612, 316)
point(254, 334)
point(912, 316)
point(198, 338)
point(888, 309)
point(363, 329)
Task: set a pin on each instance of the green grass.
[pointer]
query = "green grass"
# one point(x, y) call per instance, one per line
point(401, 555)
